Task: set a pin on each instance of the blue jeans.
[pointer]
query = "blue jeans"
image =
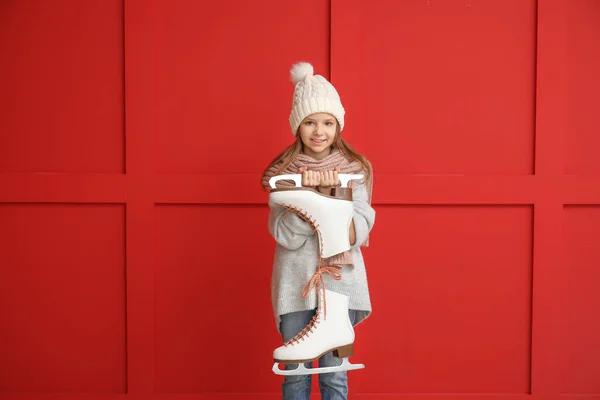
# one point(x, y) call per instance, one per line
point(333, 385)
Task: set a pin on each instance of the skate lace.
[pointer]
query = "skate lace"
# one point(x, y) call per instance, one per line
point(305, 332)
point(318, 282)
point(306, 217)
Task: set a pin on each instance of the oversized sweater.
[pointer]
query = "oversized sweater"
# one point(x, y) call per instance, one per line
point(296, 259)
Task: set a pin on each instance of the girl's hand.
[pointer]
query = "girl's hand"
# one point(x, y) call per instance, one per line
point(310, 178)
point(329, 179)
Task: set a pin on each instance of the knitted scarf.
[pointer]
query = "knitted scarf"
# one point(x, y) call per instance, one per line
point(335, 159)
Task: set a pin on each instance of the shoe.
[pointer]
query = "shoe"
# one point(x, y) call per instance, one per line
point(329, 217)
point(329, 330)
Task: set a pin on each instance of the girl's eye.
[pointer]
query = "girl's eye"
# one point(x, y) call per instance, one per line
point(329, 123)
point(309, 122)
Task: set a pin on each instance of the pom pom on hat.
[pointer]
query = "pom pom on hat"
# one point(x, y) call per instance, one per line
point(313, 94)
point(300, 71)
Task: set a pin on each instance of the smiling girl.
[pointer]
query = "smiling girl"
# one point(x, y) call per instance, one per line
point(319, 153)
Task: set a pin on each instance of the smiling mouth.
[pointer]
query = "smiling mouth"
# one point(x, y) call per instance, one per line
point(318, 140)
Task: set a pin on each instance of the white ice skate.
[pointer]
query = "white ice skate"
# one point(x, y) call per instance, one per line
point(329, 215)
point(330, 330)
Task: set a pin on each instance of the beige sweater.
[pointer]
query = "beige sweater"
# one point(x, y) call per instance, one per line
point(296, 257)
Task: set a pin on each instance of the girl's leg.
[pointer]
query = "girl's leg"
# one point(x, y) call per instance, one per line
point(295, 387)
point(334, 385)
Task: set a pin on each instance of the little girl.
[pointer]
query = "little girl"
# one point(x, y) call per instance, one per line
point(319, 153)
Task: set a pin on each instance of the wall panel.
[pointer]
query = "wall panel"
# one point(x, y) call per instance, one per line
point(579, 346)
point(222, 86)
point(451, 288)
point(443, 86)
point(213, 308)
point(582, 89)
point(62, 80)
point(62, 298)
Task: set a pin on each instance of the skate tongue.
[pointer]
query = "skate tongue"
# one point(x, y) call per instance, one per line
point(318, 282)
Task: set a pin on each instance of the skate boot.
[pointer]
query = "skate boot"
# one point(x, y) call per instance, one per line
point(329, 215)
point(329, 330)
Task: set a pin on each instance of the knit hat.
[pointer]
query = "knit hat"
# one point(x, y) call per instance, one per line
point(313, 94)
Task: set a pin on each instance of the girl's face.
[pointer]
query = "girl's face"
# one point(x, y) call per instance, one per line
point(317, 133)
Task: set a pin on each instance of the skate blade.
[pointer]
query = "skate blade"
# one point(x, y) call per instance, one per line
point(302, 370)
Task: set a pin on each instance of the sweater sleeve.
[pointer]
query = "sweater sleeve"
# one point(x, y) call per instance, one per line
point(364, 215)
point(288, 229)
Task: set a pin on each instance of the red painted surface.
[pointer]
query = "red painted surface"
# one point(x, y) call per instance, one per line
point(63, 295)
point(62, 77)
point(132, 139)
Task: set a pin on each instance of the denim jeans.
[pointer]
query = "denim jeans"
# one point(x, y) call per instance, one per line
point(333, 385)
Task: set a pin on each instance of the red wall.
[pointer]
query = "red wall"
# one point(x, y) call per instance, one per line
point(132, 138)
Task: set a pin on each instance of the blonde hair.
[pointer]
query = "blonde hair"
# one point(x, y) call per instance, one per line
point(287, 156)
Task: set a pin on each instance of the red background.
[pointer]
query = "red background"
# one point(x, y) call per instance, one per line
point(135, 259)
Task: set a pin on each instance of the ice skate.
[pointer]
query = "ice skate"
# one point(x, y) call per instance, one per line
point(329, 215)
point(330, 330)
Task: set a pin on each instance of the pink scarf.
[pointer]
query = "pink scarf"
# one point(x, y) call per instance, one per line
point(335, 159)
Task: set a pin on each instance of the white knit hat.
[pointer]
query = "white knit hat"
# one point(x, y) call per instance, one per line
point(313, 94)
